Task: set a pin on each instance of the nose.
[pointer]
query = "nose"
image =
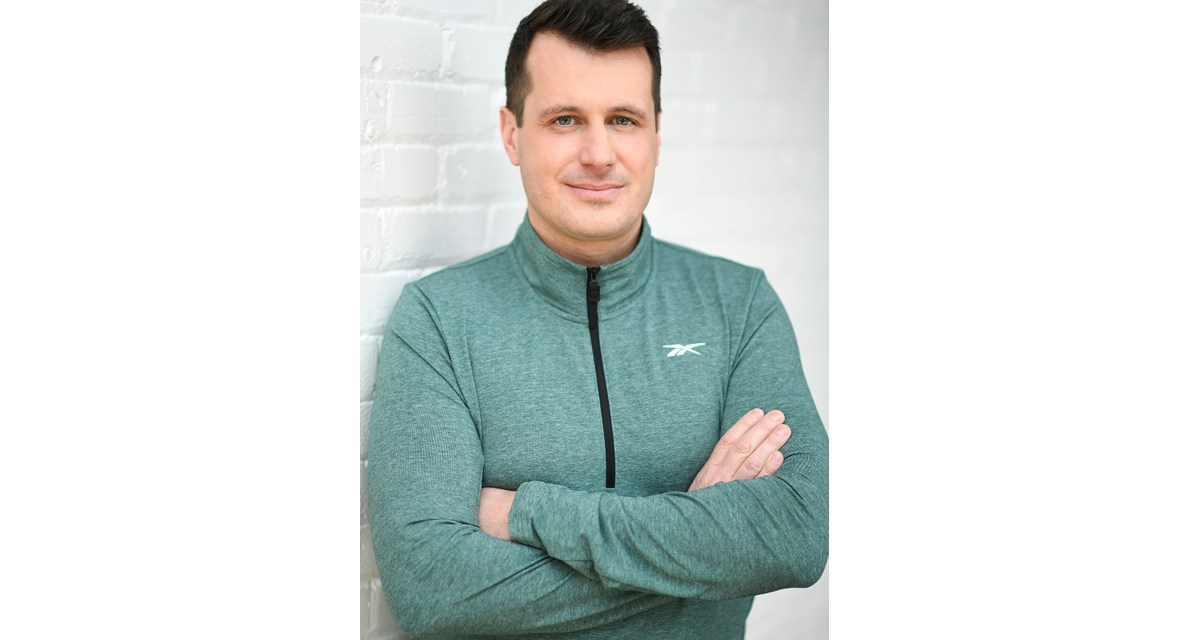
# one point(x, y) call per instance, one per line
point(598, 151)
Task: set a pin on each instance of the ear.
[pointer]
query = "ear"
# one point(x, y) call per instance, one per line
point(508, 134)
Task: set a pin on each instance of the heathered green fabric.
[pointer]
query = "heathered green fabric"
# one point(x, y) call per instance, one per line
point(486, 378)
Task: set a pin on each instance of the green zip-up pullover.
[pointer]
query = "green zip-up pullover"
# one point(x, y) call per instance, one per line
point(488, 376)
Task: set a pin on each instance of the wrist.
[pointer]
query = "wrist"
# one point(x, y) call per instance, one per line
point(520, 520)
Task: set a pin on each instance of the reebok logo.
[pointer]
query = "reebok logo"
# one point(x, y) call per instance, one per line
point(682, 349)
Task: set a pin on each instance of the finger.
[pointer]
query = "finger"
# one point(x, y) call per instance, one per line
point(737, 430)
point(772, 464)
point(755, 463)
point(738, 453)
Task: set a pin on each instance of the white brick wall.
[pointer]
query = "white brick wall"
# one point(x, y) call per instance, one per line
point(392, 44)
point(742, 175)
point(474, 52)
point(393, 174)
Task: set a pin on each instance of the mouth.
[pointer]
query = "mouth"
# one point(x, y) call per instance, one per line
point(595, 191)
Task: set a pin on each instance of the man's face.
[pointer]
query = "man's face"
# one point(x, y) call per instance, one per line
point(588, 143)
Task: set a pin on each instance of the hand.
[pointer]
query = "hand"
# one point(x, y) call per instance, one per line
point(494, 505)
point(749, 449)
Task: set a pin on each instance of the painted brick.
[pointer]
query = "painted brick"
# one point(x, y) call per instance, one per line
point(373, 7)
point(748, 25)
point(401, 44)
point(807, 72)
point(808, 170)
point(369, 349)
point(371, 246)
point(381, 625)
point(481, 174)
point(421, 109)
point(681, 75)
point(394, 173)
point(658, 12)
point(728, 73)
point(734, 170)
point(751, 121)
point(367, 554)
point(692, 24)
point(452, 8)
point(373, 105)
point(668, 197)
point(365, 428)
point(496, 95)
point(429, 237)
point(378, 292)
point(363, 493)
point(510, 12)
point(503, 221)
point(479, 52)
point(685, 120)
point(365, 598)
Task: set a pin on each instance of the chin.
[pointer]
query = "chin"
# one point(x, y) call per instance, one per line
point(603, 224)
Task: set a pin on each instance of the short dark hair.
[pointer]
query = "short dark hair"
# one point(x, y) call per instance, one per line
point(594, 25)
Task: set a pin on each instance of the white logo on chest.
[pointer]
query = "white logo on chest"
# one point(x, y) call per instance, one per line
point(682, 349)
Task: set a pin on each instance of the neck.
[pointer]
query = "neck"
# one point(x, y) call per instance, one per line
point(589, 253)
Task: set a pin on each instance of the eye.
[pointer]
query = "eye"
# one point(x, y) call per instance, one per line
point(622, 121)
point(565, 121)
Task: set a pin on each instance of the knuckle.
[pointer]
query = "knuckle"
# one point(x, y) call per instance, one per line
point(742, 446)
point(753, 465)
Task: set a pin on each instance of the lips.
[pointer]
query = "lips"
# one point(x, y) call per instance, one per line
point(599, 191)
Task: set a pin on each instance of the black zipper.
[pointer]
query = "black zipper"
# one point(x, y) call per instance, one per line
point(609, 444)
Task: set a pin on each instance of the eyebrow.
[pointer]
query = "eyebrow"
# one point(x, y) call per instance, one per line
point(629, 109)
point(558, 108)
point(620, 108)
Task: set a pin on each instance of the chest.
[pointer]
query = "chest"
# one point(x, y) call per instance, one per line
point(536, 397)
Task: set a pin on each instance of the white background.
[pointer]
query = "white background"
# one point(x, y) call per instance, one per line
point(180, 330)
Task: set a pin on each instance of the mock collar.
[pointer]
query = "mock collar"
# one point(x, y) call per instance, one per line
point(563, 284)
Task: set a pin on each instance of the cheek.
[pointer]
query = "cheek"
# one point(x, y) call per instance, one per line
point(547, 163)
point(539, 177)
point(549, 147)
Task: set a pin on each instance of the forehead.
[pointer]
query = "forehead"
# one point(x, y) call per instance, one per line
point(560, 72)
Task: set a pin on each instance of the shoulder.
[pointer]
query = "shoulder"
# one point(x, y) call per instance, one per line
point(443, 293)
point(669, 253)
point(730, 278)
point(467, 278)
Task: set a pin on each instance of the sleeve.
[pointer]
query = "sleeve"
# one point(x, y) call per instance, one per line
point(441, 573)
point(726, 541)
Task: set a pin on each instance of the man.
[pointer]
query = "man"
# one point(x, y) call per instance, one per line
point(566, 439)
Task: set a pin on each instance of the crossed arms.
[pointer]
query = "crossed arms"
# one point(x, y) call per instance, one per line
point(587, 559)
point(750, 449)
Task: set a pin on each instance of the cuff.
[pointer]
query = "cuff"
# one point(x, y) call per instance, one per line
point(520, 515)
point(553, 518)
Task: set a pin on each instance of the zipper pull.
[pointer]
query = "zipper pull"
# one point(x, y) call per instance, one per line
point(592, 285)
